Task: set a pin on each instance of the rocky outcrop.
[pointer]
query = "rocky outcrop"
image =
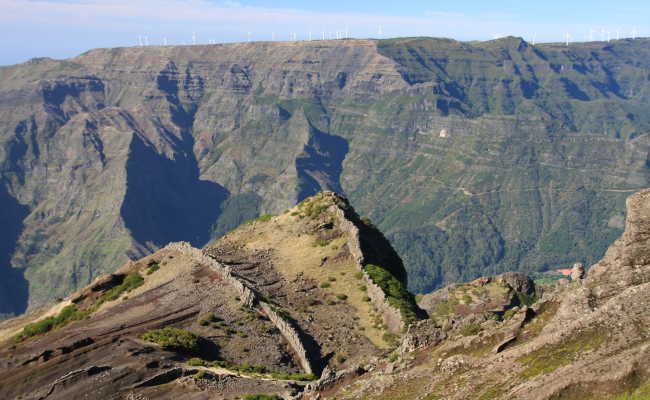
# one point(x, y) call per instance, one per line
point(577, 272)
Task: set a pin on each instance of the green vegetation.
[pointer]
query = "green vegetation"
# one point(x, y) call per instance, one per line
point(641, 393)
point(262, 397)
point(396, 293)
point(132, 281)
point(526, 300)
point(67, 315)
point(366, 298)
point(173, 339)
point(551, 357)
point(208, 319)
point(358, 275)
point(313, 207)
point(325, 285)
point(340, 358)
point(196, 362)
point(152, 267)
point(470, 329)
point(342, 297)
point(391, 339)
point(266, 217)
point(320, 243)
point(366, 221)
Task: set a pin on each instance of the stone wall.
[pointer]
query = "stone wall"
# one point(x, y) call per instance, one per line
point(391, 316)
point(249, 298)
point(291, 335)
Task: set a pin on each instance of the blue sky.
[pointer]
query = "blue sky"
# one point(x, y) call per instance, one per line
point(65, 28)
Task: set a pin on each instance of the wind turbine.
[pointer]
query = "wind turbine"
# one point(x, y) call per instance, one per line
point(193, 37)
point(165, 41)
point(380, 31)
point(310, 36)
point(249, 36)
point(534, 38)
point(567, 38)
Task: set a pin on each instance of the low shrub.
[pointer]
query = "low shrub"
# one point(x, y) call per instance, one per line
point(470, 329)
point(196, 362)
point(173, 339)
point(152, 267)
point(325, 285)
point(391, 338)
point(342, 296)
point(67, 315)
point(266, 217)
point(131, 281)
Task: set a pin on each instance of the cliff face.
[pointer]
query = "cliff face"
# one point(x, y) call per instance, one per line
point(522, 154)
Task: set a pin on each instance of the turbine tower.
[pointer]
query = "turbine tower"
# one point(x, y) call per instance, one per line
point(567, 38)
point(193, 37)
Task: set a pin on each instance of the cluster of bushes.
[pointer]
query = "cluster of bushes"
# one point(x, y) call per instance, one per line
point(130, 282)
point(173, 339)
point(68, 314)
point(396, 293)
point(313, 208)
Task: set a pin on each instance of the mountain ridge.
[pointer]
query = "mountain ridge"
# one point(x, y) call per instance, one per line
point(103, 150)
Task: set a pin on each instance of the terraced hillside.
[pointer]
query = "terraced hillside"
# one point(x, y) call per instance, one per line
point(473, 158)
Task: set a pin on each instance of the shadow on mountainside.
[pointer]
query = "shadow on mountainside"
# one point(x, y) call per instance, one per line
point(165, 199)
point(322, 163)
point(13, 285)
